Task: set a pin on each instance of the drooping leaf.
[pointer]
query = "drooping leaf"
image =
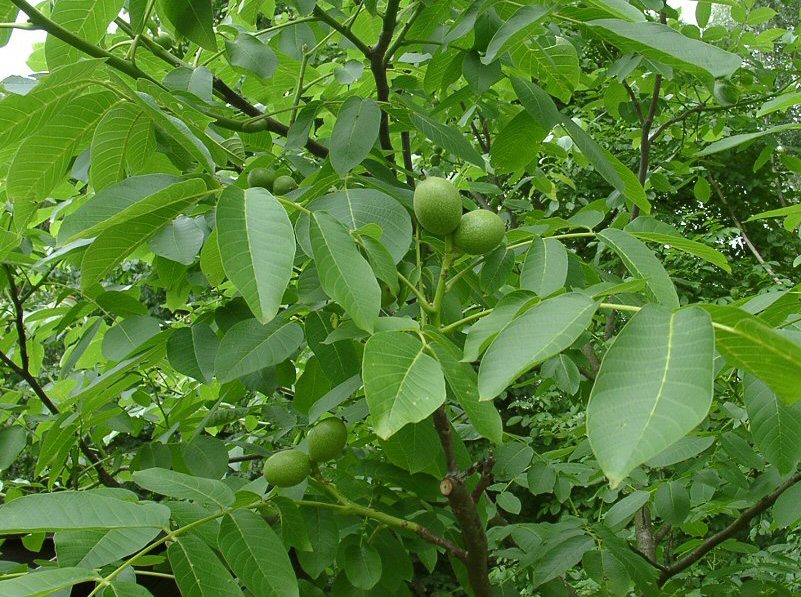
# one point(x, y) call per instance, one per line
point(660, 42)
point(535, 336)
point(192, 351)
point(448, 137)
point(775, 427)
point(345, 275)
point(12, 442)
point(545, 268)
point(257, 247)
point(45, 582)
point(654, 387)
point(208, 492)
point(402, 384)
point(122, 143)
point(354, 133)
point(42, 160)
point(256, 555)
point(524, 17)
point(689, 246)
point(78, 510)
point(128, 335)
point(198, 571)
point(192, 18)
point(178, 241)
point(88, 19)
point(248, 53)
point(735, 140)
point(486, 328)
point(95, 549)
point(641, 262)
point(250, 346)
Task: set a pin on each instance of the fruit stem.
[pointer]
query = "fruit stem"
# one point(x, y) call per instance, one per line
point(439, 295)
point(424, 304)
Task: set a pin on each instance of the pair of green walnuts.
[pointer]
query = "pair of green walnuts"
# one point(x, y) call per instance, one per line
point(438, 207)
point(267, 178)
point(325, 441)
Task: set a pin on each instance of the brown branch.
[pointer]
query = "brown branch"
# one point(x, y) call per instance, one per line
point(744, 234)
point(406, 148)
point(681, 117)
point(486, 478)
point(379, 69)
point(739, 523)
point(464, 509)
point(635, 101)
point(646, 543)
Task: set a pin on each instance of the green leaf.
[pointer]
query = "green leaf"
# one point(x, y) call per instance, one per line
point(619, 9)
point(95, 549)
point(362, 563)
point(43, 158)
point(8, 14)
point(209, 492)
point(129, 199)
point(76, 510)
point(641, 262)
point(256, 555)
point(735, 140)
point(539, 333)
point(211, 260)
point(517, 143)
point(542, 108)
point(122, 143)
point(345, 275)
point(250, 346)
point(176, 129)
point(248, 53)
point(485, 329)
point(357, 208)
point(450, 138)
point(688, 246)
point(192, 351)
point(12, 442)
point(193, 19)
point(672, 502)
point(415, 447)
point(523, 18)
point(545, 268)
point(664, 44)
point(178, 241)
point(121, 588)
point(22, 115)
point(787, 509)
point(354, 134)
point(402, 384)
point(775, 427)
point(45, 582)
point(653, 388)
point(783, 102)
point(748, 344)
point(623, 511)
point(128, 335)
point(257, 246)
point(463, 382)
point(88, 19)
point(114, 244)
point(198, 572)
point(555, 63)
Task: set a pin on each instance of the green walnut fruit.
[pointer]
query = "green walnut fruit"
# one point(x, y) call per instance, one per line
point(326, 439)
point(437, 205)
point(725, 93)
point(262, 177)
point(287, 468)
point(436, 159)
point(479, 232)
point(284, 184)
point(165, 40)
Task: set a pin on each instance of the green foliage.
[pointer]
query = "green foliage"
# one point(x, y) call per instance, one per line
point(227, 228)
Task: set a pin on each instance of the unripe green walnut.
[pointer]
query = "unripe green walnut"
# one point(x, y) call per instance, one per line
point(725, 93)
point(262, 177)
point(326, 439)
point(284, 184)
point(287, 468)
point(165, 40)
point(479, 232)
point(437, 205)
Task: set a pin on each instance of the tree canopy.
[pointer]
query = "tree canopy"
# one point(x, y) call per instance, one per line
point(246, 351)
